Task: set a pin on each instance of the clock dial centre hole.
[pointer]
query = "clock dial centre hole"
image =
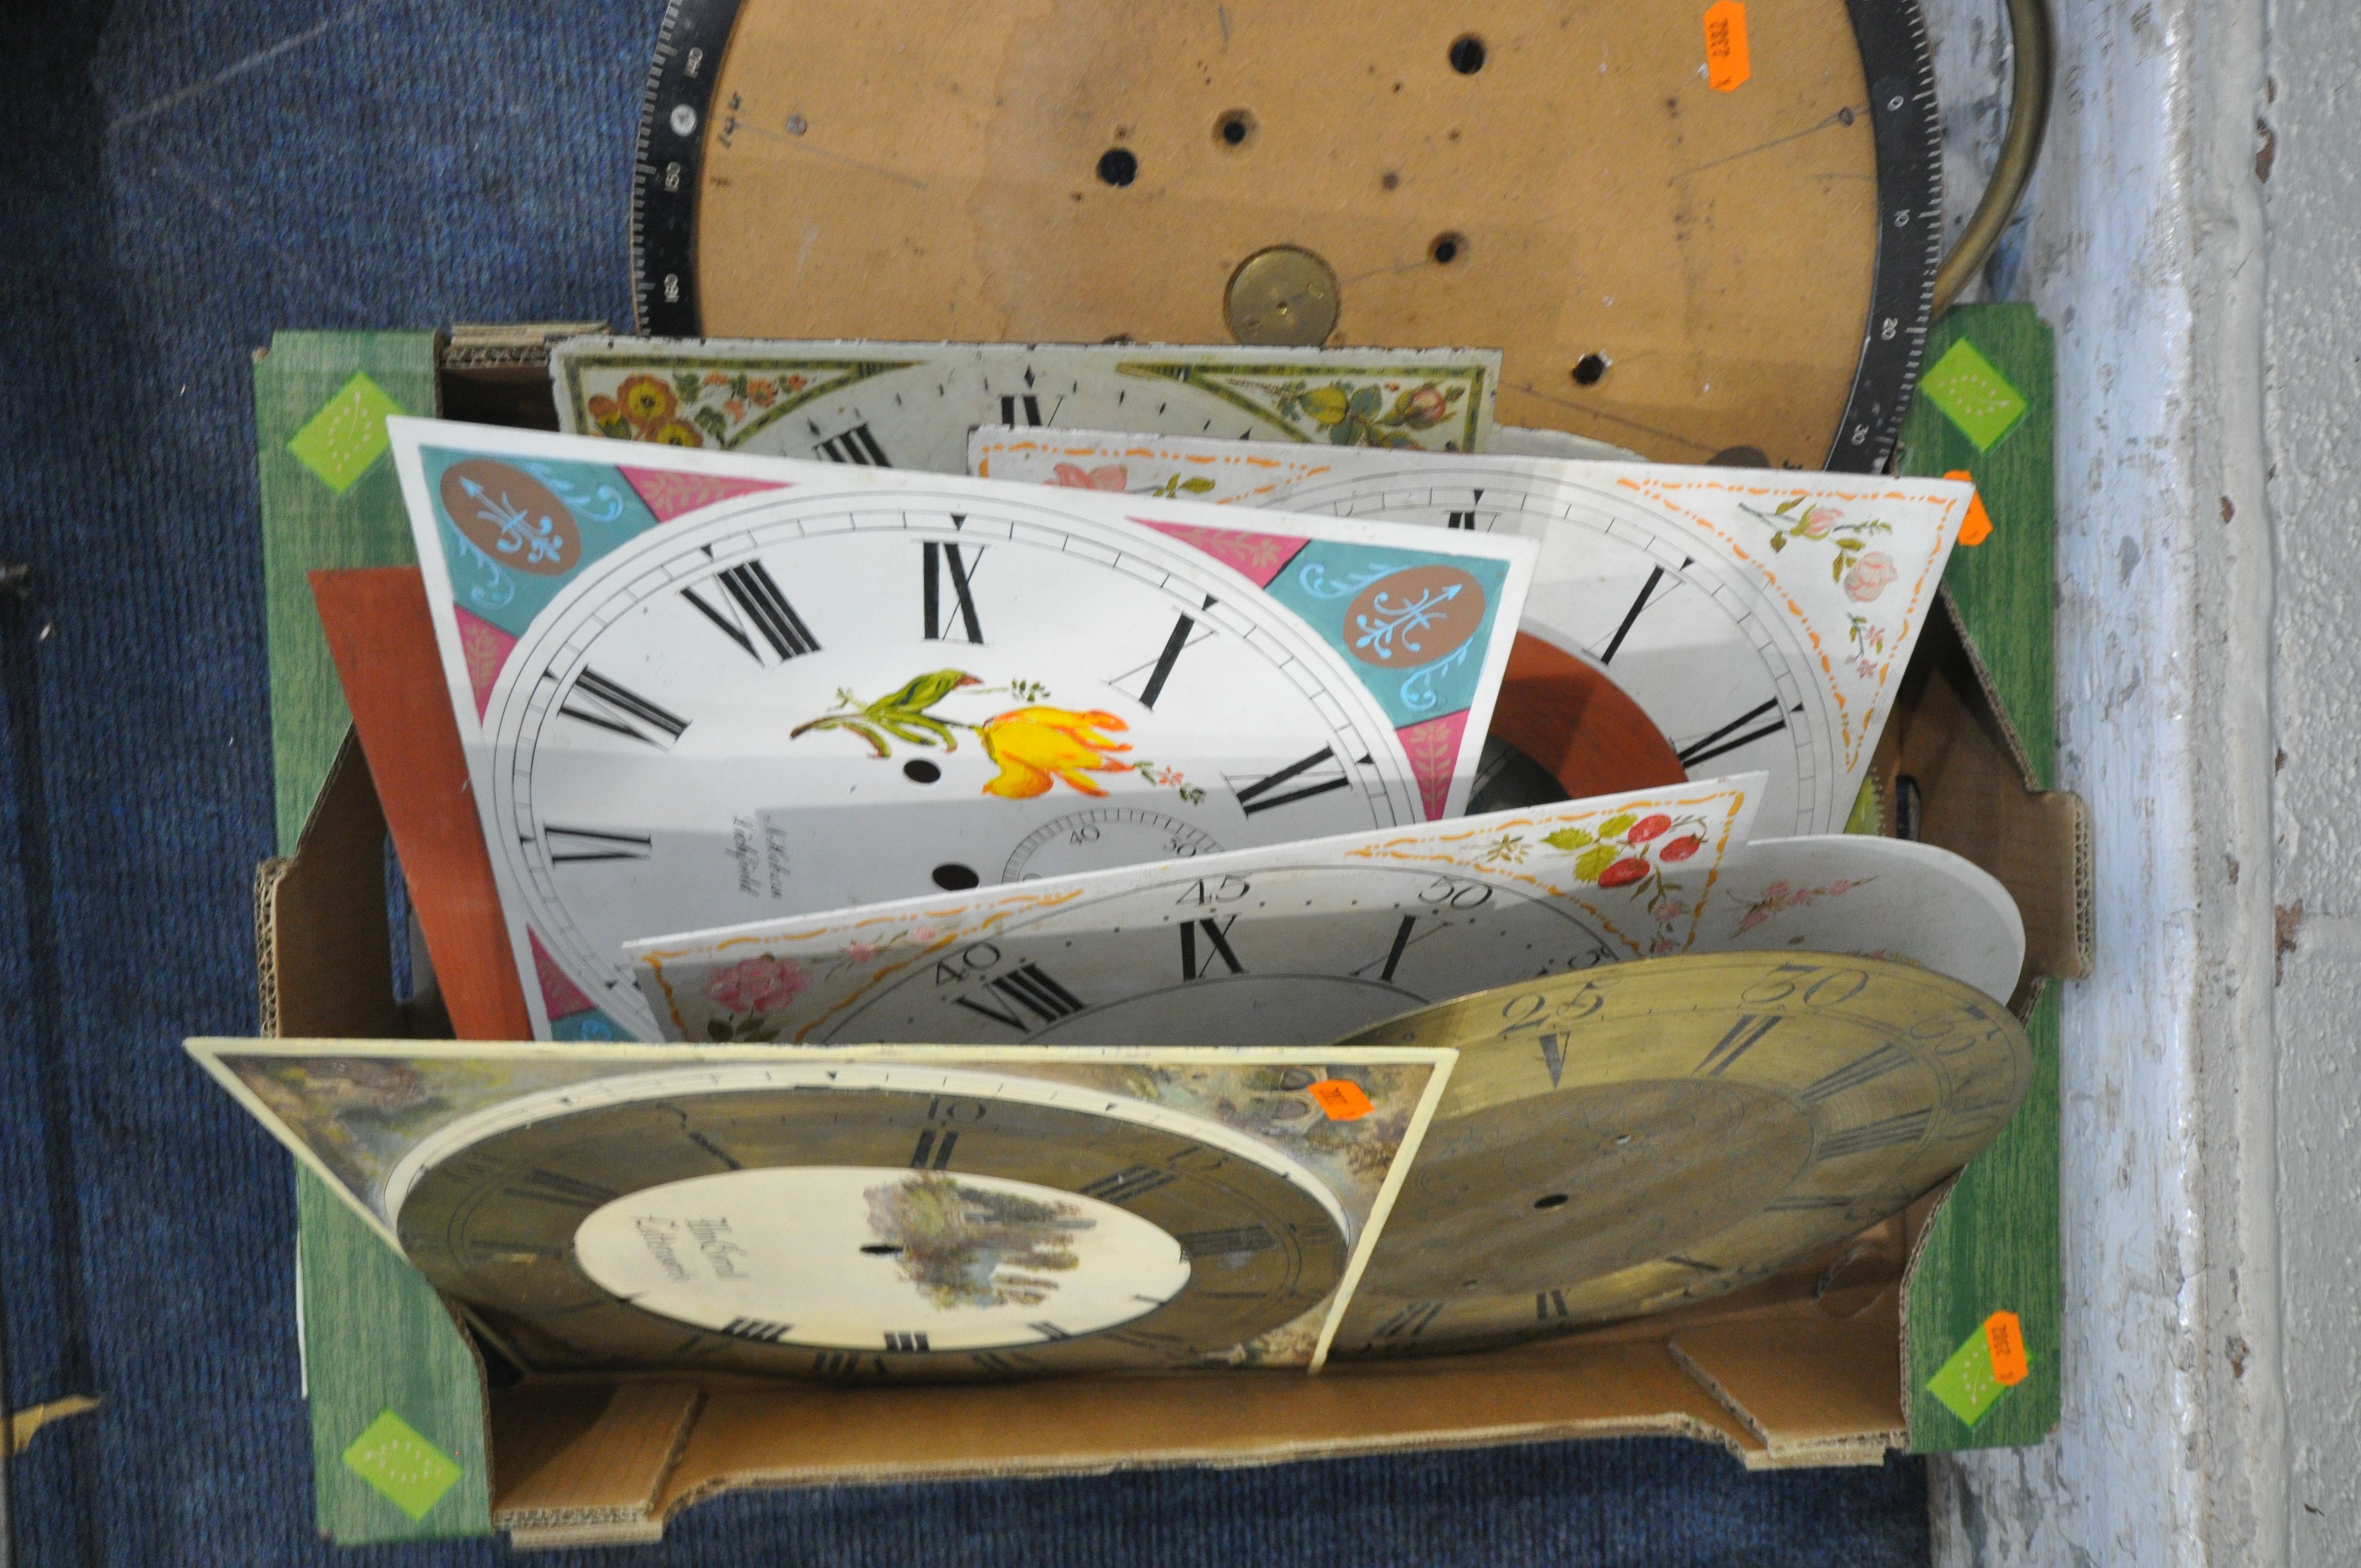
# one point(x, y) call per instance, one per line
point(952, 877)
point(1467, 54)
point(1235, 129)
point(1118, 167)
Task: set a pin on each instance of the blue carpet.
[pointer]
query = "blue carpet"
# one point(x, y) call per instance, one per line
point(186, 177)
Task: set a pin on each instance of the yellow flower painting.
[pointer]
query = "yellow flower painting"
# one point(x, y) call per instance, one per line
point(1037, 746)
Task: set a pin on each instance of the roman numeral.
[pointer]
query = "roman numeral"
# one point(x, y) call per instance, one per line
point(933, 1154)
point(1048, 1331)
point(1744, 1035)
point(1877, 1064)
point(1708, 747)
point(961, 594)
point(855, 446)
point(1549, 1304)
point(1409, 1322)
point(548, 1187)
point(1217, 935)
point(1170, 657)
point(1258, 797)
point(909, 1343)
point(1027, 986)
point(1639, 607)
point(571, 846)
point(840, 1363)
point(756, 607)
point(1465, 519)
point(1134, 1182)
point(1880, 1134)
point(761, 1330)
point(1024, 408)
point(596, 700)
point(1226, 1243)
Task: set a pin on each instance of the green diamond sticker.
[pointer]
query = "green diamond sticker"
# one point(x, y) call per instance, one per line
point(391, 1456)
point(1968, 1385)
point(346, 433)
point(1972, 395)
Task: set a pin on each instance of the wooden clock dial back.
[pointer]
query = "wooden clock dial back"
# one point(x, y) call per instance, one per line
point(1667, 266)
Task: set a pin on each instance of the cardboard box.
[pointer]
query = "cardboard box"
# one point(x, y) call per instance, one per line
point(1821, 1365)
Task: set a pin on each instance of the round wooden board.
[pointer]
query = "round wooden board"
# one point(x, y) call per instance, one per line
point(1668, 266)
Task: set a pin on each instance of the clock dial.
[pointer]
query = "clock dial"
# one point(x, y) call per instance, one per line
point(1280, 946)
point(1662, 1133)
point(1759, 620)
point(911, 405)
point(1879, 898)
point(817, 687)
point(923, 1210)
point(867, 1219)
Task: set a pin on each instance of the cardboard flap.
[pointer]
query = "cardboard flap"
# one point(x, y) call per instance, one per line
point(585, 1463)
point(751, 1435)
point(1966, 768)
point(1819, 1390)
point(323, 954)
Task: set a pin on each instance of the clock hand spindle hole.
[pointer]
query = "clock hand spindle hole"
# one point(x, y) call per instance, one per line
point(1118, 167)
point(1235, 129)
point(1589, 369)
point(1467, 54)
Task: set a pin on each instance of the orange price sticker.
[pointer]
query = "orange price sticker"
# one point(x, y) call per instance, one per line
point(2006, 1338)
point(1343, 1099)
point(1726, 65)
point(1978, 526)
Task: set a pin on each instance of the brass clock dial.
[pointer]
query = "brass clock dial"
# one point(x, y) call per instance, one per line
point(1633, 1139)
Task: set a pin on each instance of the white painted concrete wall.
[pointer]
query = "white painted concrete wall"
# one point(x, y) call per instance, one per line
point(2195, 237)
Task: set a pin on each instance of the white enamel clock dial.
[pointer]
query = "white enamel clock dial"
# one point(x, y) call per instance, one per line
point(1286, 944)
point(911, 405)
point(1878, 898)
point(833, 687)
point(1758, 618)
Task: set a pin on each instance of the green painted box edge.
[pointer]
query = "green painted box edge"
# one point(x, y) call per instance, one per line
point(375, 1334)
point(1992, 1244)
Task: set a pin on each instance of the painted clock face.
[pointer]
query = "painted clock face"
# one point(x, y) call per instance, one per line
point(731, 717)
point(864, 1219)
point(1282, 945)
point(911, 405)
point(1760, 619)
point(1689, 639)
point(1286, 955)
